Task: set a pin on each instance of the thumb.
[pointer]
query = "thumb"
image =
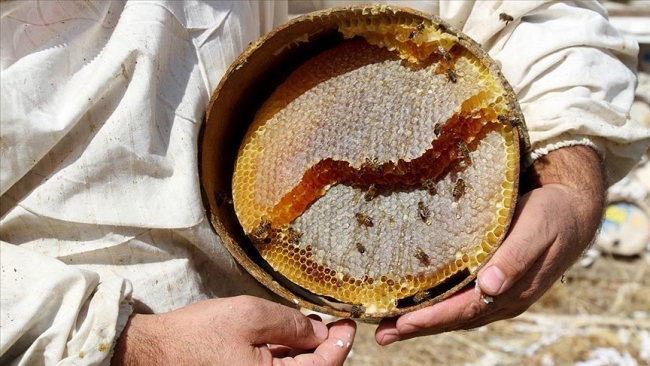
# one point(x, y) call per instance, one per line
point(280, 325)
point(529, 237)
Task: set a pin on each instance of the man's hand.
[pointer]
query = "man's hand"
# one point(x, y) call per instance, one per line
point(555, 221)
point(242, 330)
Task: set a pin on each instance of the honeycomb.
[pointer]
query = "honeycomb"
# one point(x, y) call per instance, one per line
point(381, 167)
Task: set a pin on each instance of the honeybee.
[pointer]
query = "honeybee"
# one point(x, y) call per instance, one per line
point(464, 151)
point(263, 228)
point(423, 212)
point(436, 129)
point(418, 30)
point(356, 311)
point(293, 235)
point(513, 121)
point(421, 296)
point(451, 75)
point(373, 165)
point(360, 248)
point(430, 185)
point(516, 123)
point(422, 257)
point(443, 53)
point(364, 219)
point(506, 18)
point(459, 189)
point(370, 193)
point(260, 235)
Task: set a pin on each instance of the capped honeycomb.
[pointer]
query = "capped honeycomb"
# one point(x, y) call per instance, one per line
point(381, 167)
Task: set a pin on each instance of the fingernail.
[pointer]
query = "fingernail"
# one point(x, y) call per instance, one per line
point(408, 328)
point(492, 279)
point(320, 329)
point(389, 338)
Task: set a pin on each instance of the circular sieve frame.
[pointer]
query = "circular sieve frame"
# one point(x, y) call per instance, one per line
point(250, 79)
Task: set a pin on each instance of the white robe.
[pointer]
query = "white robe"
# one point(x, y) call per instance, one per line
point(101, 105)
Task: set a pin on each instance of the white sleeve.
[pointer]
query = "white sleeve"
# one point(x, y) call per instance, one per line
point(573, 73)
point(53, 313)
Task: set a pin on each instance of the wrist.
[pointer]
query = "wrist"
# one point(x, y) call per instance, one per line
point(577, 167)
point(138, 344)
point(578, 171)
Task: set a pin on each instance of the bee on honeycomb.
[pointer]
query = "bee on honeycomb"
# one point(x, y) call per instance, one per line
point(293, 235)
point(370, 193)
point(260, 235)
point(363, 219)
point(464, 151)
point(513, 121)
point(436, 129)
point(430, 186)
point(451, 75)
point(422, 257)
point(418, 30)
point(518, 124)
point(459, 189)
point(444, 54)
point(421, 296)
point(424, 213)
point(372, 164)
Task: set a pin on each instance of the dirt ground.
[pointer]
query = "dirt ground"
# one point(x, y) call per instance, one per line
point(600, 315)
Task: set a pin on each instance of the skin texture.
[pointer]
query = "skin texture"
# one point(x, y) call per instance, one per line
point(242, 330)
point(556, 220)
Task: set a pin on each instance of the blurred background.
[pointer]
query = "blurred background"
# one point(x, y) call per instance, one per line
point(600, 313)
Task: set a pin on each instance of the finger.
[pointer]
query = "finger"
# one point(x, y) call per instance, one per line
point(450, 314)
point(279, 351)
point(293, 352)
point(530, 235)
point(333, 351)
point(386, 332)
point(339, 343)
point(271, 323)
